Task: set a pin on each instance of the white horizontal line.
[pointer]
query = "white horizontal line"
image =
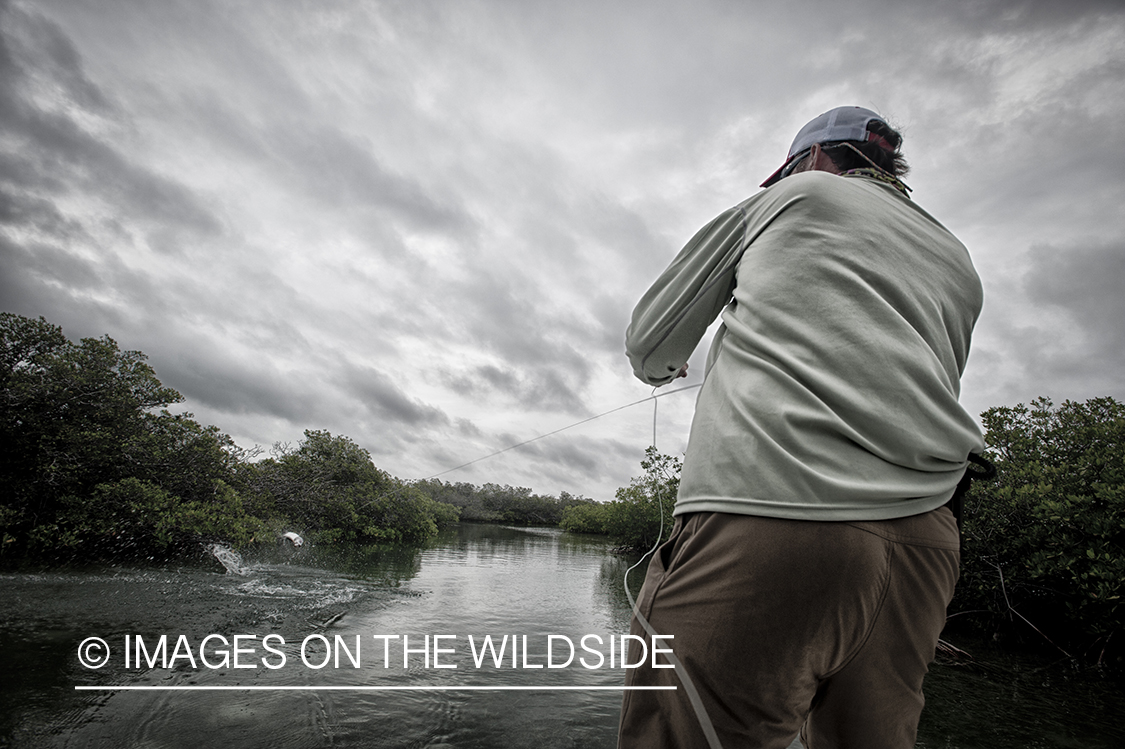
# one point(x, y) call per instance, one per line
point(364, 689)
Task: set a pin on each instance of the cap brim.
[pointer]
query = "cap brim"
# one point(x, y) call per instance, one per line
point(781, 170)
point(776, 175)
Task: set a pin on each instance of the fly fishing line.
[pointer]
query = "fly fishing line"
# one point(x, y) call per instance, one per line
point(681, 673)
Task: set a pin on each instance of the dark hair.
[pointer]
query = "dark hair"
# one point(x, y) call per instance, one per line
point(892, 162)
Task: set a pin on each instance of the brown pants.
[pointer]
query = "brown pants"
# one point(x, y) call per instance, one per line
point(788, 626)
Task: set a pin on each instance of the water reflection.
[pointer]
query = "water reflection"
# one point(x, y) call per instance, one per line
point(474, 580)
point(1007, 700)
point(392, 564)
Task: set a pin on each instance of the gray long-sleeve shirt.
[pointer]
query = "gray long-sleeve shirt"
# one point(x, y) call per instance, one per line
point(831, 389)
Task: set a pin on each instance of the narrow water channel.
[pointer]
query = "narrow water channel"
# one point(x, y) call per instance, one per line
point(530, 588)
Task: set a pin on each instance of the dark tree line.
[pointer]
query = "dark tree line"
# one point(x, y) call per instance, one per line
point(94, 465)
point(1043, 554)
point(492, 503)
point(1043, 557)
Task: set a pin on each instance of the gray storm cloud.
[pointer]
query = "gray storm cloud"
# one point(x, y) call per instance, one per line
point(424, 225)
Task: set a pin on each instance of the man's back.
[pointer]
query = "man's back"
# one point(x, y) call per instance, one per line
point(830, 395)
point(837, 371)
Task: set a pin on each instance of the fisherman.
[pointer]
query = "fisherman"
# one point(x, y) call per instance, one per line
point(813, 553)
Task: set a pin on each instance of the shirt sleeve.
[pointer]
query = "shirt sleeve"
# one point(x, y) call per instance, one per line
point(673, 315)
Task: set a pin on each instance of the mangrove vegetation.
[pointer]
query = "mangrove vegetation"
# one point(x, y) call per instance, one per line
point(95, 466)
point(1043, 543)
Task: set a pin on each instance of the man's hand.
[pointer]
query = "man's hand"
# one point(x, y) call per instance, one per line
point(681, 373)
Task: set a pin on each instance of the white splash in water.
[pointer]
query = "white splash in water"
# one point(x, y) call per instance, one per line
point(323, 593)
point(229, 558)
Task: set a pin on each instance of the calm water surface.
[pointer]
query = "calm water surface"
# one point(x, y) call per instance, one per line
point(475, 580)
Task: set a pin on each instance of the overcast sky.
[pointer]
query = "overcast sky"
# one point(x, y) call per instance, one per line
point(424, 225)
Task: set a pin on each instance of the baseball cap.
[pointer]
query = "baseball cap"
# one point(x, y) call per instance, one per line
point(841, 123)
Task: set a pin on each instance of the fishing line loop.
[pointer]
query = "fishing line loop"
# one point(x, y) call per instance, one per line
point(697, 705)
